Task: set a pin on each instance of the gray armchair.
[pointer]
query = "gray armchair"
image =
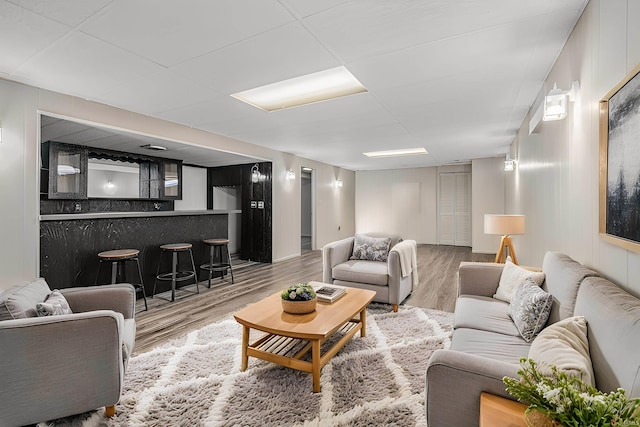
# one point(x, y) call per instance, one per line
point(385, 278)
point(56, 366)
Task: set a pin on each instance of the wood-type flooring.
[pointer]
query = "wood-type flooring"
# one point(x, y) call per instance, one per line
point(165, 320)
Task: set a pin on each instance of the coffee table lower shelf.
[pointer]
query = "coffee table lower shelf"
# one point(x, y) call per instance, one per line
point(289, 351)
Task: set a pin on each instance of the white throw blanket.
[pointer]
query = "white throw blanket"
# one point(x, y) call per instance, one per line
point(407, 252)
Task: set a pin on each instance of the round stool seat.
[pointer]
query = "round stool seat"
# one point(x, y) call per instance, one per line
point(119, 253)
point(215, 242)
point(176, 246)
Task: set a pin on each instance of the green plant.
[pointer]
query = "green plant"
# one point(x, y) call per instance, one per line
point(569, 401)
point(299, 292)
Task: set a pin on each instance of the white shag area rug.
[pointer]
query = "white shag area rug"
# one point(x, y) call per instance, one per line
point(195, 380)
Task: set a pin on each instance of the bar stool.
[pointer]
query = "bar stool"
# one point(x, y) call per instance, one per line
point(118, 258)
point(176, 275)
point(219, 266)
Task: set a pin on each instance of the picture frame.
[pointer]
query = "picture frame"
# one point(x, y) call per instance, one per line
point(619, 210)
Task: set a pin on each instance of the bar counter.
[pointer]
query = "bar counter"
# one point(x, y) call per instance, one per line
point(70, 243)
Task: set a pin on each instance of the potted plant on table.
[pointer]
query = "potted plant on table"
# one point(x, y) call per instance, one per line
point(563, 400)
point(299, 299)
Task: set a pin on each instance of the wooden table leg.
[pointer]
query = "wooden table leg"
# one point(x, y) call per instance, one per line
point(245, 344)
point(315, 365)
point(363, 322)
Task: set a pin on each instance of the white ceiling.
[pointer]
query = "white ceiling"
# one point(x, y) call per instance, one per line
point(454, 76)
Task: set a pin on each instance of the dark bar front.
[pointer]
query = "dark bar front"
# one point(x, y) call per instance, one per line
point(69, 247)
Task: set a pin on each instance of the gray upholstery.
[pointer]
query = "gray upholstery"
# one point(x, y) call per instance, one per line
point(20, 301)
point(57, 366)
point(484, 349)
point(563, 277)
point(613, 330)
point(385, 278)
point(485, 313)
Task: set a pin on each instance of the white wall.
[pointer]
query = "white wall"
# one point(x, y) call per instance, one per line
point(556, 182)
point(405, 201)
point(398, 201)
point(487, 197)
point(194, 189)
point(19, 176)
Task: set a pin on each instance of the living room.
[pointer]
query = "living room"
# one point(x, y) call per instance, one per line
point(555, 182)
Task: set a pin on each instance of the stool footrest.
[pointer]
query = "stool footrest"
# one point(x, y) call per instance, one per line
point(179, 276)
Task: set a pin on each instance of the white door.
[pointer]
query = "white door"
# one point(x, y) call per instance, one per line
point(454, 209)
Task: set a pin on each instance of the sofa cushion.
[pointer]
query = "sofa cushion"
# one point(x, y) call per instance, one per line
point(563, 277)
point(55, 304)
point(564, 345)
point(128, 338)
point(373, 272)
point(20, 301)
point(484, 313)
point(505, 348)
point(530, 308)
point(371, 248)
point(613, 324)
point(512, 277)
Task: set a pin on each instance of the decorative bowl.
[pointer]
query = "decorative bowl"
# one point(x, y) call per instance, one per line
point(299, 307)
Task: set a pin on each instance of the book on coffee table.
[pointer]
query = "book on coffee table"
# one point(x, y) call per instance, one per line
point(327, 293)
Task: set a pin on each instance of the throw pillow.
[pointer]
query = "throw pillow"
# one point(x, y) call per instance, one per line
point(371, 248)
point(53, 305)
point(564, 345)
point(512, 277)
point(530, 308)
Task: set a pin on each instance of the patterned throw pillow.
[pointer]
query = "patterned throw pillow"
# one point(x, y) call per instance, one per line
point(512, 277)
point(54, 304)
point(371, 248)
point(530, 309)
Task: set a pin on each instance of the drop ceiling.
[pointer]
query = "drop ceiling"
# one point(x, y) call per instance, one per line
point(456, 77)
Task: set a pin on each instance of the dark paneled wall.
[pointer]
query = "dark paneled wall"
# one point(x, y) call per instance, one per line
point(256, 244)
point(69, 249)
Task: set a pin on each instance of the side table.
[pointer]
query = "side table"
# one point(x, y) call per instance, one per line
point(496, 411)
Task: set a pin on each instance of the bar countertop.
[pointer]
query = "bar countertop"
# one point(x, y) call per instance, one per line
point(101, 215)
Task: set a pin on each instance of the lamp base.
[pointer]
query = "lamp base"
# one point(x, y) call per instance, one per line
point(506, 245)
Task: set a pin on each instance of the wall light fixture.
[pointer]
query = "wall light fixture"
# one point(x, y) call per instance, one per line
point(339, 183)
point(291, 175)
point(555, 103)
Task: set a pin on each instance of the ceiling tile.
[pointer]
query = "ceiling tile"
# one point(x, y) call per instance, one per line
point(170, 32)
point(23, 34)
point(68, 12)
point(287, 52)
point(80, 65)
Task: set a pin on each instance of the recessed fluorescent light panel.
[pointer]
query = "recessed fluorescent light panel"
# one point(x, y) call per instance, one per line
point(321, 86)
point(154, 147)
point(394, 153)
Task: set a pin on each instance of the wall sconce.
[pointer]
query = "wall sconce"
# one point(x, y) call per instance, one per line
point(509, 164)
point(555, 103)
point(338, 183)
point(255, 173)
point(291, 175)
point(109, 187)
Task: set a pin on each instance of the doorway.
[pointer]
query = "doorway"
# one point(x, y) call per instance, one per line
point(306, 209)
point(454, 209)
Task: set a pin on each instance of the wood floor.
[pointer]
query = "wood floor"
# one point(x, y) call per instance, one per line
point(437, 272)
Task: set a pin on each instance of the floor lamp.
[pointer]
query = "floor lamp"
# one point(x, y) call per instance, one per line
point(504, 225)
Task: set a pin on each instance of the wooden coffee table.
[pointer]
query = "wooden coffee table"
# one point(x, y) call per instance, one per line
point(291, 336)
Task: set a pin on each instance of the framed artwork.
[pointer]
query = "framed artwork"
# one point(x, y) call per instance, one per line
point(620, 163)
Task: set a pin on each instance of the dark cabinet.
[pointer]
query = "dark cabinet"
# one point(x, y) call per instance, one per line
point(171, 180)
point(67, 171)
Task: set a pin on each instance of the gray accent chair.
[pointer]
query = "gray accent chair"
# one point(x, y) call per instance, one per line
point(385, 278)
point(55, 366)
point(486, 345)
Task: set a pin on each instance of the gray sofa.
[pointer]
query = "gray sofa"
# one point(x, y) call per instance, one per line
point(385, 278)
point(56, 366)
point(486, 345)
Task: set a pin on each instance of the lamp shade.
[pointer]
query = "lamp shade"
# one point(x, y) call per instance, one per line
point(503, 225)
